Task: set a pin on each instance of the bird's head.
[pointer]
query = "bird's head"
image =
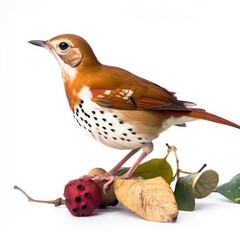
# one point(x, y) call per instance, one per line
point(71, 51)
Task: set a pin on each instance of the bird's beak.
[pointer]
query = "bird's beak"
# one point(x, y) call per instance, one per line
point(39, 43)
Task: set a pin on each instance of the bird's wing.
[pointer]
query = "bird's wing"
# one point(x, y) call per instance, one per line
point(135, 93)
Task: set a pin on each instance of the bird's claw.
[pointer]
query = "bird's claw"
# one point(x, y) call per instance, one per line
point(107, 178)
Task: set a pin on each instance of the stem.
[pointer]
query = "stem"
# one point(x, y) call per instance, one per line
point(203, 166)
point(174, 149)
point(178, 170)
point(57, 202)
point(185, 172)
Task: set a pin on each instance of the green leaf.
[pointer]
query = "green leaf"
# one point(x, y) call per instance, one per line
point(204, 183)
point(195, 185)
point(122, 170)
point(231, 189)
point(184, 193)
point(152, 168)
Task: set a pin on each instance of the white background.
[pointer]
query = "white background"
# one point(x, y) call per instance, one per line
point(190, 47)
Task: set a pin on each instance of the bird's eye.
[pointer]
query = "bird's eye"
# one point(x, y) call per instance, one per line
point(63, 46)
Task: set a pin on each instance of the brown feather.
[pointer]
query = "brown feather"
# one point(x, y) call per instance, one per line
point(145, 94)
point(117, 88)
point(201, 114)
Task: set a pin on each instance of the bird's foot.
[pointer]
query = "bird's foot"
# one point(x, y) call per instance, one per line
point(108, 178)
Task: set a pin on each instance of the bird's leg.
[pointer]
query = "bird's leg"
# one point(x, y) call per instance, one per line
point(114, 170)
point(110, 176)
point(147, 148)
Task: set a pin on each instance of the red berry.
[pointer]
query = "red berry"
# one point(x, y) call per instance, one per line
point(82, 196)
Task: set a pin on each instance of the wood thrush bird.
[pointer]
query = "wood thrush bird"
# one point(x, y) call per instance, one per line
point(114, 106)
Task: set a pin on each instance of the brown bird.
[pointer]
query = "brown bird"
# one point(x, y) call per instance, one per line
point(114, 106)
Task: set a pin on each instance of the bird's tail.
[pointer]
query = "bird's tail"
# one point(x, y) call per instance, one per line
point(202, 114)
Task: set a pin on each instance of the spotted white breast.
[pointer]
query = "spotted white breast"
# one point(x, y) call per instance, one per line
point(108, 126)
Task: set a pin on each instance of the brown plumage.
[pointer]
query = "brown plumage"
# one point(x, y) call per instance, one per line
point(114, 106)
